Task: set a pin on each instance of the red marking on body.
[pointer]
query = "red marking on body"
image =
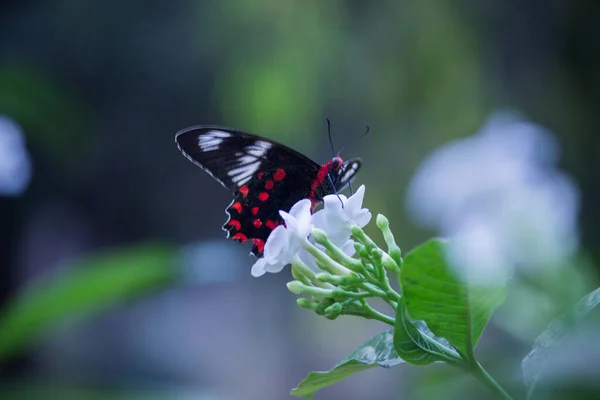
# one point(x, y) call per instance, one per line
point(237, 206)
point(313, 205)
point(269, 185)
point(322, 174)
point(254, 210)
point(257, 223)
point(244, 190)
point(260, 175)
point(235, 223)
point(279, 174)
point(240, 237)
point(263, 196)
point(260, 244)
point(271, 224)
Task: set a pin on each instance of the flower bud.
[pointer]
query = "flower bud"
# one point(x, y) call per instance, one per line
point(296, 287)
point(306, 303)
point(361, 250)
point(388, 262)
point(362, 237)
point(333, 311)
point(319, 235)
point(393, 249)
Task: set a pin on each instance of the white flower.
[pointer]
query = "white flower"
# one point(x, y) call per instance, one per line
point(499, 197)
point(284, 242)
point(339, 214)
point(15, 168)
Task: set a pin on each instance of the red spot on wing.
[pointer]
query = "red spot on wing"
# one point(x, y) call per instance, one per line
point(279, 174)
point(269, 185)
point(257, 223)
point(240, 237)
point(271, 224)
point(237, 206)
point(235, 223)
point(260, 244)
point(244, 190)
point(263, 196)
point(254, 210)
point(260, 175)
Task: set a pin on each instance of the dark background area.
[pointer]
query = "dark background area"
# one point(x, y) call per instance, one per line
point(100, 88)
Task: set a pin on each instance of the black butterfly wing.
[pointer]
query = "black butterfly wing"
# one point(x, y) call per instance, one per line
point(233, 157)
point(264, 175)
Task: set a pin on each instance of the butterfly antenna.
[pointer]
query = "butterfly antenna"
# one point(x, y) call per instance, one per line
point(329, 134)
point(333, 151)
point(367, 130)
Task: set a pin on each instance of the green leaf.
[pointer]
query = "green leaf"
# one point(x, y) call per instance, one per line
point(553, 337)
point(378, 351)
point(416, 344)
point(89, 284)
point(452, 308)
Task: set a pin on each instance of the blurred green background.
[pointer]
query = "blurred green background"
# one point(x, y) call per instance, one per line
point(116, 279)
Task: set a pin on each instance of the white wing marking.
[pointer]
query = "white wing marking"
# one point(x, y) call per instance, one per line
point(211, 140)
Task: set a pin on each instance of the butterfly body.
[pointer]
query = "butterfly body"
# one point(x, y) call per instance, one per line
point(264, 176)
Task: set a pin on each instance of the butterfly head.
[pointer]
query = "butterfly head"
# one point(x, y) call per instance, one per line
point(336, 163)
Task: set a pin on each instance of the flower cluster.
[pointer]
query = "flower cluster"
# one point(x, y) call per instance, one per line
point(333, 261)
point(291, 242)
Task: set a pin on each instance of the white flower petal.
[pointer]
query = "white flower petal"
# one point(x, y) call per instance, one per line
point(298, 220)
point(275, 244)
point(274, 268)
point(354, 203)
point(300, 209)
point(290, 221)
point(319, 220)
point(332, 205)
point(334, 201)
point(308, 259)
point(258, 269)
point(348, 248)
point(362, 218)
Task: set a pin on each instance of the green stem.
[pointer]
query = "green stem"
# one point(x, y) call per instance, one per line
point(372, 289)
point(371, 315)
point(331, 266)
point(387, 288)
point(386, 293)
point(376, 314)
point(299, 268)
point(351, 295)
point(484, 377)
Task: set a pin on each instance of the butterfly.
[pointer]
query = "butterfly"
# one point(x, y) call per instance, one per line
point(264, 176)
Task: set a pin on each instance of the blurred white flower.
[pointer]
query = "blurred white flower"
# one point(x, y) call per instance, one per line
point(15, 167)
point(284, 242)
point(500, 198)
